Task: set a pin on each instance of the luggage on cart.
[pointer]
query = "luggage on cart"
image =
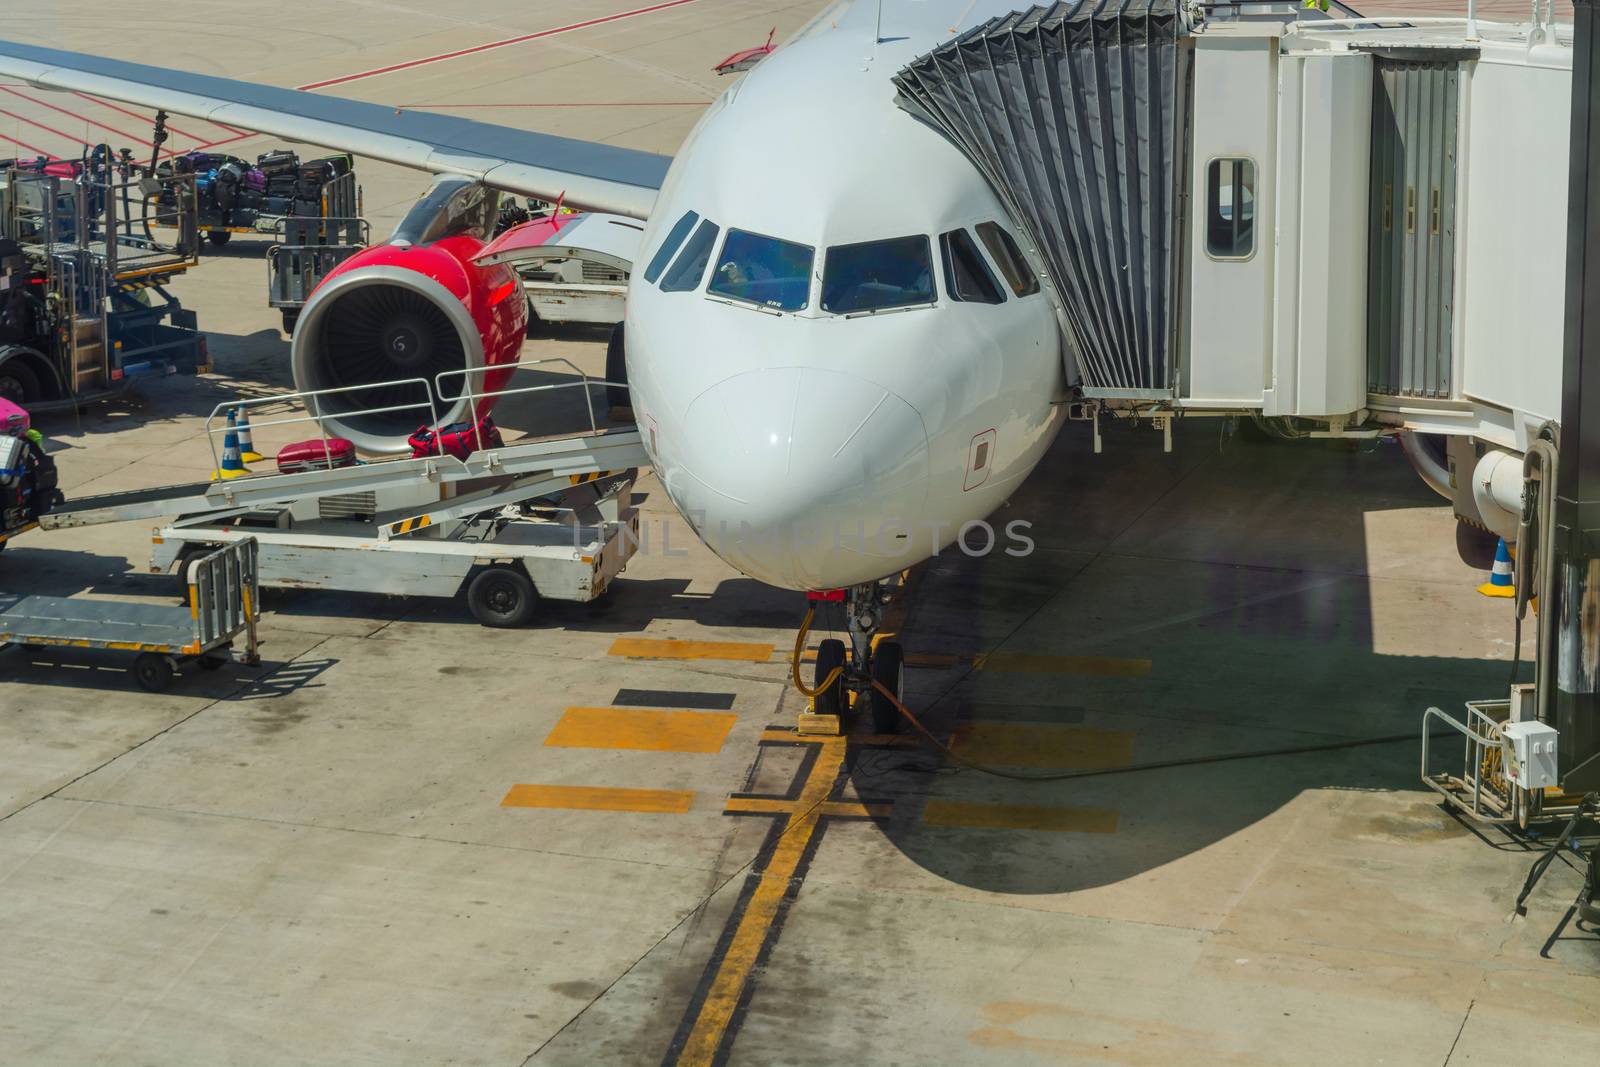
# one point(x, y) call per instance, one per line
point(317, 455)
point(13, 420)
point(458, 439)
point(280, 161)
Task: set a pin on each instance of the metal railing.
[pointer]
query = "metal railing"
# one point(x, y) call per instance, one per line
point(1481, 790)
point(434, 398)
point(313, 399)
point(225, 595)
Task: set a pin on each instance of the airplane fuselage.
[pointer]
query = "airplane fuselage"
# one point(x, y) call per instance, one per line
point(824, 399)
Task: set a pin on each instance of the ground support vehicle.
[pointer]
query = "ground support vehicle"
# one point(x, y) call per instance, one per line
point(223, 606)
point(505, 525)
point(83, 301)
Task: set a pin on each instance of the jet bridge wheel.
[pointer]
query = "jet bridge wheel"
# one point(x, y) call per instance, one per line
point(502, 597)
point(832, 700)
point(888, 668)
point(219, 238)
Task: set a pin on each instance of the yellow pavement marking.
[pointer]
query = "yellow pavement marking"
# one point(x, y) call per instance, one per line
point(740, 959)
point(1088, 666)
point(595, 798)
point(1019, 817)
point(1042, 745)
point(636, 728)
point(774, 806)
point(653, 648)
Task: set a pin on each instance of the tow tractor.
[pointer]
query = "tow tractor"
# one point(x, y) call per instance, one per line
point(83, 301)
point(505, 523)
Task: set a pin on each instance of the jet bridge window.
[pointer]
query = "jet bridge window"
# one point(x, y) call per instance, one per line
point(679, 231)
point(877, 275)
point(1003, 247)
point(1230, 208)
point(764, 271)
point(690, 266)
point(966, 275)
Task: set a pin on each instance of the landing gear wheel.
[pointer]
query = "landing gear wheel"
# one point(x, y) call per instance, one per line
point(501, 597)
point(830, 701)
point(153, 672)
point(219, 238)
point(889, 670)
point(211, 662)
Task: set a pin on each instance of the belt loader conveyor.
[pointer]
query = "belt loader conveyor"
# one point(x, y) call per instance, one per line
point(506, 524)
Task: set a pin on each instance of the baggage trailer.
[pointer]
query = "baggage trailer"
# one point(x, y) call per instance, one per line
point(224, 604)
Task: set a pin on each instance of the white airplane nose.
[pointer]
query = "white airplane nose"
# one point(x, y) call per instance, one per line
point(805, 478)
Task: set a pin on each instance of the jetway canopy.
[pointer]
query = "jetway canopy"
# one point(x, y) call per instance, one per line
point(1076, 113)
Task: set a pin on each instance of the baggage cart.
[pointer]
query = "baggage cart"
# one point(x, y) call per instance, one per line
point(223, 606)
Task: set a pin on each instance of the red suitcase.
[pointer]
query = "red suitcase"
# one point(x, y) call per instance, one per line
point(317, 455)
point(459, 439)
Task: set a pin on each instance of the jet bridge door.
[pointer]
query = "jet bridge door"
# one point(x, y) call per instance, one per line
point(1411, 228)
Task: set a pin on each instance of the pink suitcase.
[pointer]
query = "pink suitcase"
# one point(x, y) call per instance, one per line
point(13, 420)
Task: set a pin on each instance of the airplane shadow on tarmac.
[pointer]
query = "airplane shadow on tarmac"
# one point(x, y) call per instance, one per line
point(1216, 601)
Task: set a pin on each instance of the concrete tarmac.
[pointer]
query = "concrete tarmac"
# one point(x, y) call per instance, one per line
point(406, 839)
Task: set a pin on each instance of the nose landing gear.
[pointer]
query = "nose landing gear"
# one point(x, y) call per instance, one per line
point(844, 684)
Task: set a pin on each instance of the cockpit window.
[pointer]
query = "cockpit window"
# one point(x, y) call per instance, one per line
point(690, 266)
point(966, 275)
point(680, 230)
point(1003, 247)
point(876, 275)
point(763, 270)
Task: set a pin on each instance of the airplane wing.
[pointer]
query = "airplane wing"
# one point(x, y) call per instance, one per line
point(595, 176)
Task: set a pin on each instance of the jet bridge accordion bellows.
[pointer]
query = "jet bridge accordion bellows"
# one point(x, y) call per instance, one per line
point(1076, 113)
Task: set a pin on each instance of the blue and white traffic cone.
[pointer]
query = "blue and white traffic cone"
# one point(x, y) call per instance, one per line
point(247, 447)
point(1499, 583)
point(232, 460)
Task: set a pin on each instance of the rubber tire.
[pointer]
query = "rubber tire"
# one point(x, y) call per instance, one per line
point(219, 238)
point(152, 672)
point(210, 662)
point(831, 701)
point(502, 597)
point(26, 387)
point(291, 318)
point(181, 572)
point(888, 667)
point(617, 396)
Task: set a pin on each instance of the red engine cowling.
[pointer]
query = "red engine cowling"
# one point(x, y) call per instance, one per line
point(398, 312)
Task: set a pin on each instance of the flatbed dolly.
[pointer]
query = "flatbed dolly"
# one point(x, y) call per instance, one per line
point(223, 605)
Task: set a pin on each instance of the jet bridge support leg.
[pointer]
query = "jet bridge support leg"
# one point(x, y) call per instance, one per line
point(1572, 650)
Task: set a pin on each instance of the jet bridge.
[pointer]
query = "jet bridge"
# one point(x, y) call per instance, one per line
point(1076, 114)
point(1339, 226)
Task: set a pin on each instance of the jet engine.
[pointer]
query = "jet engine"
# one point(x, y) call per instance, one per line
point(385, 323)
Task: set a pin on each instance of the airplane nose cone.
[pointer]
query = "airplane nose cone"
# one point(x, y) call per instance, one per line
point(805, 478)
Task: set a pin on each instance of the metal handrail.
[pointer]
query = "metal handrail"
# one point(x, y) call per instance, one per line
point(1474, 747)
point(433, 392)
point(315, 397)
point(585, 382)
